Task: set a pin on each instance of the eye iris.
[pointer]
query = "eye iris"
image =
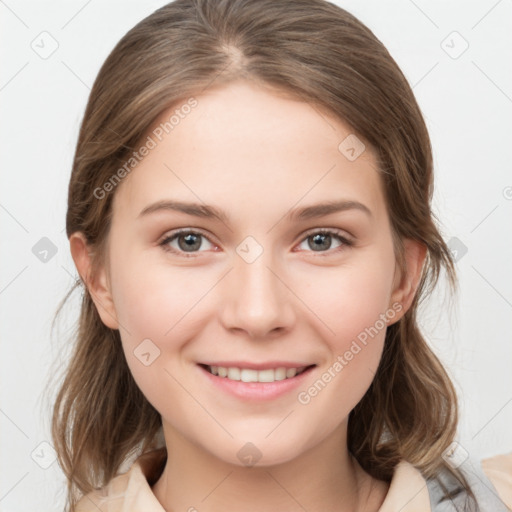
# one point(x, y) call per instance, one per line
point(192, 241)
point(321, 238)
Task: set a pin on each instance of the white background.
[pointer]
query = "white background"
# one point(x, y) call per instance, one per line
point(467, 103)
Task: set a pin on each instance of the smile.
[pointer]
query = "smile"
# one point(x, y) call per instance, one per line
point(250, 375)
point(250, 381)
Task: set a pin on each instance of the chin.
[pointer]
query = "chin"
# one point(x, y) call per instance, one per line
point(259, 453)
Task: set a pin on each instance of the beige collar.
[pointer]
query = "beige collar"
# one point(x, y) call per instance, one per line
point(131, 491)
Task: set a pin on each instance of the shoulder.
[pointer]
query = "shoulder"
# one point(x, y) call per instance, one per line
point(129, 489)
point(489, 480)
point(407, 491)
point(498, 470)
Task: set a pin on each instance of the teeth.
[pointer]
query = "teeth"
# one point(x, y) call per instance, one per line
point(280, 373)
point(234, 373)
point(266, 375)
point(248, 375)
point(291, 372)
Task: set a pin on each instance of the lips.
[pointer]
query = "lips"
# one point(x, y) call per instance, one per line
point(267, 385)
point(253, 372)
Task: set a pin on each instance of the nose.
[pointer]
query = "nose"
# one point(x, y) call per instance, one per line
point(256, 298)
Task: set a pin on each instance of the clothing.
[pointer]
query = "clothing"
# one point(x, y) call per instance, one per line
point(409, 491)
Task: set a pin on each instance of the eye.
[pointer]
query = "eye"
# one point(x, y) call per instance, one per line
point(322, 239)
point(188, 241)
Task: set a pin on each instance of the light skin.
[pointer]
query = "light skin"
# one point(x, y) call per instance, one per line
point(256, 154)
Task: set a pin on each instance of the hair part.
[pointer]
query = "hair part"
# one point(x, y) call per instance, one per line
point(320, 54)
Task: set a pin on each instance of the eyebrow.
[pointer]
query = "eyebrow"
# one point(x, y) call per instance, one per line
point(208, 211)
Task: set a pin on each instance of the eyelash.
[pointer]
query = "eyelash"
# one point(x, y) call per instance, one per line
point(346, 242)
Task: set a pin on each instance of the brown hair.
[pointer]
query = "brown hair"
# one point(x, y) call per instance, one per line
point(323, 55)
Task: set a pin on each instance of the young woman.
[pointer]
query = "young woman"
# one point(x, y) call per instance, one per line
point(249, 213)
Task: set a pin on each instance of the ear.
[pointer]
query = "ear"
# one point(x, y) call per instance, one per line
point(98, 286)
point(406, 283)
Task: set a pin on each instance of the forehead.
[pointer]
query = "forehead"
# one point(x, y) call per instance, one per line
point(242, 142)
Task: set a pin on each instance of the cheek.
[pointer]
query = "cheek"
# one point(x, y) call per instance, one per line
point(355, 310)
point(152, 300)
point(352, 298)
point(152, 306)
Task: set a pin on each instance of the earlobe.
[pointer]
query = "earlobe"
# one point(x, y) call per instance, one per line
point(407, 285)
point(96, 282)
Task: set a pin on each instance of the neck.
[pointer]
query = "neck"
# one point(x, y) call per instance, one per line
point(326, 477)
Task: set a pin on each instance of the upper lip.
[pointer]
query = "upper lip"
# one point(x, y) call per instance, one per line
point(257, 366)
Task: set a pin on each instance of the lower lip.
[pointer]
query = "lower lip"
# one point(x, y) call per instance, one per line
point(256, 390)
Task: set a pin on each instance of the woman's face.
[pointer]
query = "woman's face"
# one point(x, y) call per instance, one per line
point(252, 288)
